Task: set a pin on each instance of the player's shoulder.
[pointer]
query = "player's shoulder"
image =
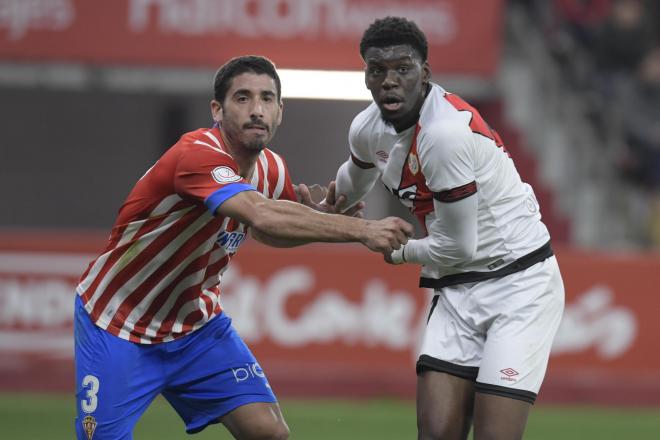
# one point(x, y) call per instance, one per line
point(202, 137)
point(202, 142)
point(441, 121)
point(365, 122)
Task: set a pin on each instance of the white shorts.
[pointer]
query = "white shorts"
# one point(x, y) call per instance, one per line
point(497, 332)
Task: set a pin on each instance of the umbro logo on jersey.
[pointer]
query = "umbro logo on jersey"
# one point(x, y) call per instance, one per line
point(225, 175)
point(230, 241)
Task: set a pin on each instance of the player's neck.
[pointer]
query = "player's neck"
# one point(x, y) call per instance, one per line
point(246, 165)
point(414, 114)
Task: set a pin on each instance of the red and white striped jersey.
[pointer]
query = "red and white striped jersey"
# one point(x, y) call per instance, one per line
point(159, 276)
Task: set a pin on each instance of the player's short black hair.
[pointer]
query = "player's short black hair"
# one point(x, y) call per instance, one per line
point(239, 65)
point(392, 31)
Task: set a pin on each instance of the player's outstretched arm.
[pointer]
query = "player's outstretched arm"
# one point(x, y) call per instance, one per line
point(452, 237)
point(281, 222)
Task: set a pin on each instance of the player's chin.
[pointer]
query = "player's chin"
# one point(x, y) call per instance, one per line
point(392, 117)
point(256, 144)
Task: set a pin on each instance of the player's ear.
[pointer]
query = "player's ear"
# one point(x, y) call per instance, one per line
point(216, 111)
point(279, 116)
point(426, 72)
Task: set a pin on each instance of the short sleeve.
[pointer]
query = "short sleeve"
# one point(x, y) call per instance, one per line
point(208, 176)
point(358, 142)
point(445, 154)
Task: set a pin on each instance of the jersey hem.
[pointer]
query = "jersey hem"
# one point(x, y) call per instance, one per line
point(144, 339)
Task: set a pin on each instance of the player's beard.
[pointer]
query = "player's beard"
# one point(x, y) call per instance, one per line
point(255, 145)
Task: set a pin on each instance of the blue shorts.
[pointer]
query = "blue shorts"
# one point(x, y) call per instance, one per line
point(203, 375)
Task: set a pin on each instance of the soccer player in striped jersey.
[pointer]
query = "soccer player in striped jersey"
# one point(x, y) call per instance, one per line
point(498, 290)
point(148, 319)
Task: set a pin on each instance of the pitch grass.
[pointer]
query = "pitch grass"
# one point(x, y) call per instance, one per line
point(50, 417)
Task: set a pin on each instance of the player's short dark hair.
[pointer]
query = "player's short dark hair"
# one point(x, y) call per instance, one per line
point(392, 31)
point(239, 65)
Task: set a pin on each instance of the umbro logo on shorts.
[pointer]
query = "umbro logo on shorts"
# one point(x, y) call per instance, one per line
point(508, 374)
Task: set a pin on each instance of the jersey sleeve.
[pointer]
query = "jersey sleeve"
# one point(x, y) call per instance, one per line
point(208, 176)
point(358, 143)
point(446, 161)
point(445, 155)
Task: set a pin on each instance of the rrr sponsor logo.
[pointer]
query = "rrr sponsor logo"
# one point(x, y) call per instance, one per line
point(230, 241)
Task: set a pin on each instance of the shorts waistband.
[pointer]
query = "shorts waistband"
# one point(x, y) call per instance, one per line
point(522, 263)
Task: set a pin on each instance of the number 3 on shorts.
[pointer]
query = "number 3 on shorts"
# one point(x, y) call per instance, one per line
point(90, 403)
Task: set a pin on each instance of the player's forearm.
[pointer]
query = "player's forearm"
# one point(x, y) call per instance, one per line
point(275, 241)
point(354, 182)
point(452, 237)
point(436, 251)
point(293, 223)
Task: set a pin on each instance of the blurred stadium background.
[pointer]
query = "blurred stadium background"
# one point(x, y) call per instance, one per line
point(91, 93)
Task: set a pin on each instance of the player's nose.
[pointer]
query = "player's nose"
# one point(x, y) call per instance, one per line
point(257, 110)
point(390, 80)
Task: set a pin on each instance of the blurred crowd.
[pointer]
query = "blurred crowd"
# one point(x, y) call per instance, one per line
point(609, 51)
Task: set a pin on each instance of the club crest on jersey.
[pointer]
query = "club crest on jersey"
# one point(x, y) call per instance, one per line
point(225, 175)
point(89, 425)
point(230, 241)
point(413, 164)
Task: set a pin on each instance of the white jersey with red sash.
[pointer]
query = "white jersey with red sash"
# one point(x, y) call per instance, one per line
point(450, 154)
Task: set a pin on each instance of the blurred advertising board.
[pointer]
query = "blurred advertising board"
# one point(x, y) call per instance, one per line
point(335, 320)
point(464, 35)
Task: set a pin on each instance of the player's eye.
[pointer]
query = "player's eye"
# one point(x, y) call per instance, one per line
point(403, 69)
point(242, 98)
point(375, 70)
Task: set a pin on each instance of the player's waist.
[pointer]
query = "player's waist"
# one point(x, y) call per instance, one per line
point(520, 264)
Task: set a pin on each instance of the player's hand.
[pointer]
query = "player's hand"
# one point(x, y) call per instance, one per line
point(323, 199)
point(310, 195)
point(386, 235)
point(396, 256)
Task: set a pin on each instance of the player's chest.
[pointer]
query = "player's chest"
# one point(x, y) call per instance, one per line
point(400, 167)
point(231, 234)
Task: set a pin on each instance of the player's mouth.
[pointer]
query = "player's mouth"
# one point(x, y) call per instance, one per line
point(392, 103)
point(256, 128)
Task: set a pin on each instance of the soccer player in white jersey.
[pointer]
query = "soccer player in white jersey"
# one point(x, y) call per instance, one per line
point(498, 291)
point(148, 319)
